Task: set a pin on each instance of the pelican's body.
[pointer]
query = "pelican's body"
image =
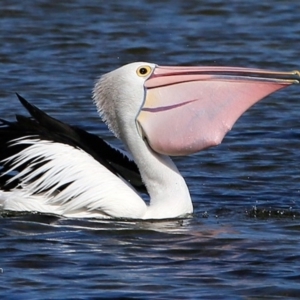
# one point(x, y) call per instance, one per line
point(51, 167)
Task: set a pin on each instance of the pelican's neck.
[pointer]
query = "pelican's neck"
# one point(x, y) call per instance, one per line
point(169, 194)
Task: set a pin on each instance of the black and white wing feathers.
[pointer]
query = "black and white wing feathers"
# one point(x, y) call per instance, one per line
point(41, 126)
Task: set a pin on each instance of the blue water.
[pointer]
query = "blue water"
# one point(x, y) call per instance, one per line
point(243, 240)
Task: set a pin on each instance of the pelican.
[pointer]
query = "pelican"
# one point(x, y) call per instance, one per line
point(48, 166)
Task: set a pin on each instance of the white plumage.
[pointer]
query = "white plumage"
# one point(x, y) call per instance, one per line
point(86, 194)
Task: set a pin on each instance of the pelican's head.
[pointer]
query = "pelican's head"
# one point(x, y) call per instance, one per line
point(120, 94)
point(181, 110)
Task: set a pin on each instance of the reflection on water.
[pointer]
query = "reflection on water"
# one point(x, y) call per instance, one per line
point(213, 257)
point(243, 240)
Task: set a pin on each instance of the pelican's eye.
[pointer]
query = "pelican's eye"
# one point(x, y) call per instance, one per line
point(143, 71)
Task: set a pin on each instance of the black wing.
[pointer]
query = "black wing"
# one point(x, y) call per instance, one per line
point(42, 126)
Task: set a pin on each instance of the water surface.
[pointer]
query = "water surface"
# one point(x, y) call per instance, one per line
point(243, 239)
